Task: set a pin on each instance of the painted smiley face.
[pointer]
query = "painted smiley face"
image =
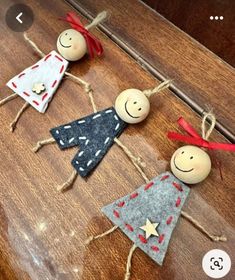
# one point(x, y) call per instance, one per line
point(71, 45)
point(190, 164)
point(132, 106)
point(60, 41)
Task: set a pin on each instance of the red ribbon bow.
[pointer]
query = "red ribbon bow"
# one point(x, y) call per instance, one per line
point(93, 43)
point(196, 139)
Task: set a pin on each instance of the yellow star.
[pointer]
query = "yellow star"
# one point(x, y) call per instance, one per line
point(150, 229)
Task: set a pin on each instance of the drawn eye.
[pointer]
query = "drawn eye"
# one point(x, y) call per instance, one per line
point(66, 34)
point(182, 152)
point(139, 109)
point(191, 157)
point(70, 39)
point(135, 102)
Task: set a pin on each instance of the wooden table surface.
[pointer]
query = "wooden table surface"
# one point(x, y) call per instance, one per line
point(194, 18)
point(42, 232)
point(201, 78)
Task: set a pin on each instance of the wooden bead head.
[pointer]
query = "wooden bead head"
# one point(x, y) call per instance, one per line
point(71, 45)
point(132, 106)
point(190, 164)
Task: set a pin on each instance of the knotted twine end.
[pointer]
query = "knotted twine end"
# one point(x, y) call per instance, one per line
point(92, 237)
point(221, 238)
point(42, 143)
point(19, 114)
point(89, 240)
point(68, 184)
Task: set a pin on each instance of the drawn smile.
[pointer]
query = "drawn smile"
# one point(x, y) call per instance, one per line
point(181, 169)
point(129, 113)
point(64, 45)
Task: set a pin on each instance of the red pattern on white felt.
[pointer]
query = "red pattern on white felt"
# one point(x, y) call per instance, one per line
point(49, 71)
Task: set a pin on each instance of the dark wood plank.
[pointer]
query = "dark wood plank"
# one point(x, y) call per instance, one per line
point(201, 78)
point(193, 17)
point(43, 231)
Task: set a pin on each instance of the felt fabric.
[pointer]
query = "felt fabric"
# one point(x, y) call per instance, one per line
point(160, 201)
point(94, 135)
point(48, 71)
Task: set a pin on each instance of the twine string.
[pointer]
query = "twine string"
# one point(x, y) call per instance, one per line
point(140, 170)
point(128, 263)
point(42, 143)
point(19, 114)
point(68, 184)
point(92, 237)
point(207, 132)
point(87, 87)
point(164, 85)
point(97, 20)
point(34, 46)
point(8, 98)
point(137, 160)
point(202, 229)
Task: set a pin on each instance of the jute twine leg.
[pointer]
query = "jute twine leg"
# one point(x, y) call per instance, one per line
point(202, 229)
point(42, 143)
point(19, 114)
point(91, 238)
point(69, 182)
point(128, 264)
point(8, 98)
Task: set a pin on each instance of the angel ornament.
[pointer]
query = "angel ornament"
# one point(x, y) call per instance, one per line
point(149, 215)
point(38, 83)
point(96, 133)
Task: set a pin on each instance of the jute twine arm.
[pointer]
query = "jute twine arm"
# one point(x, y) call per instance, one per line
point(94, 237)
point(197, 225)
point(34, 46)
point(87, 87)
point(8, 98)
point(135, 160)
point(138, 160)
point(42, 143)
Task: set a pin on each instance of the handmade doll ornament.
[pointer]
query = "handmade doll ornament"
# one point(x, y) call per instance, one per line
point(38, 83)
point(96, 133)
point(149, 215)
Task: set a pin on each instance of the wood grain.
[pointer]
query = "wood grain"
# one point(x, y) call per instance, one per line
point(42, 232)
point(193, 17)
point(201, 78)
